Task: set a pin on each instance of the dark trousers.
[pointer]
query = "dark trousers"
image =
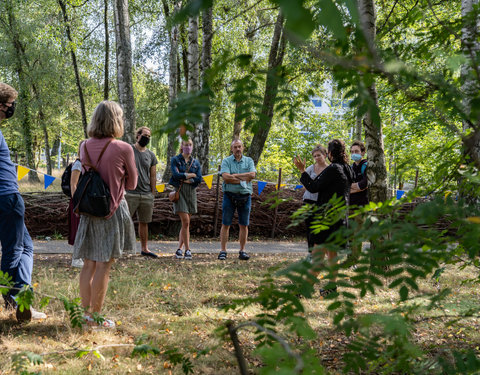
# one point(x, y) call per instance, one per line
point(17, 245)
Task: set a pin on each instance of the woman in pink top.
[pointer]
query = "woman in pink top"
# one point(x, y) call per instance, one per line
point(100, 240)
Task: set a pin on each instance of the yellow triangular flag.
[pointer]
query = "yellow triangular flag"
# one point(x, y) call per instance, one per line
point(22, 171)
point(281, 185)
point(160, 188)
point(208, 180)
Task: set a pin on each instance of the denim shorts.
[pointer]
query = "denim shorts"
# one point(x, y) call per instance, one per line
point(242, 203)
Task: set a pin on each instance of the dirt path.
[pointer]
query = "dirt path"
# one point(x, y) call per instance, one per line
point(202, 247)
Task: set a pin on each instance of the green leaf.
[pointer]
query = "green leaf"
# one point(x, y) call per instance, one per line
point(299, 19)
point(335, 305)
point(403, 293)
point(329, 16)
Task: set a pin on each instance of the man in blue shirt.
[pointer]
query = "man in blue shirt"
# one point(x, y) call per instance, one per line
point(237, 172)
point(17, 246)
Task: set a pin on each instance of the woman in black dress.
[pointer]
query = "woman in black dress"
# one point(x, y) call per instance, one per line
point(336, 179)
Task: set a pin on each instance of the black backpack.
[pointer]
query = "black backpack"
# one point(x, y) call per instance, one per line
point(66, 176)
point(92, 196)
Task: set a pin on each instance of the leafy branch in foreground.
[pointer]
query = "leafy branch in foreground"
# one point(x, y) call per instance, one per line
point(405, 247)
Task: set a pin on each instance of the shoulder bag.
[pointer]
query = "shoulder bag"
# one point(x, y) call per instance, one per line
point(174, 196)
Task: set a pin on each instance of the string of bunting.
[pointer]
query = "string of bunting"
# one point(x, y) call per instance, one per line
point(48, 180)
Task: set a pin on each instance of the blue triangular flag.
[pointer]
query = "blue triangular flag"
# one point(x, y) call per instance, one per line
point(298, 187)
point(261, 185)
point(47, 180)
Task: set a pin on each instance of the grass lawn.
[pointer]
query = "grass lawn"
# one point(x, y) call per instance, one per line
point(176, 304)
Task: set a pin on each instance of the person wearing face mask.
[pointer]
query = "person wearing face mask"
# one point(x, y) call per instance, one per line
point(16, 243)
point(140, 200)
point(335, 180)
point(186, 176)
point(319, 154)
point(359, 189)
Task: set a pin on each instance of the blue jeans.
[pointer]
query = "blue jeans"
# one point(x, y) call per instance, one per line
point(17, 245)
point(242, 203)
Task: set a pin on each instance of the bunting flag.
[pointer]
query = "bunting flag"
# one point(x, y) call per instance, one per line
point(261, 185)
point(47, 180)
point(208, 180)
point(160, 188)
point(281, 185)
point(298, 187)
point(22, 171)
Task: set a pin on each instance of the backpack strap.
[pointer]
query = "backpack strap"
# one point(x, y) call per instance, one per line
point(89, 161)
point(363, 168)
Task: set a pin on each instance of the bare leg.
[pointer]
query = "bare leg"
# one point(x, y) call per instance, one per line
point(318, 255)
point(100, 285)
point(242, 236)
point(86, 277)
point(224, 236)
point(184, 235)
point(143, 234)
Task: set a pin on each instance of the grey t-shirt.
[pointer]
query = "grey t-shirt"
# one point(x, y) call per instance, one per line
point(144, 161)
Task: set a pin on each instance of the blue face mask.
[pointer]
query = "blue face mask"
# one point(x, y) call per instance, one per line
point(356, 157)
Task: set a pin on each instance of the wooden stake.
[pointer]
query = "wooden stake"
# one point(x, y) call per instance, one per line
point(276, 207)
point(215, 220)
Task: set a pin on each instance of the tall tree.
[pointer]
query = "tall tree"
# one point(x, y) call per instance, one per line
point(173, 80)
point(106, 88)
point(470, 72)
point(376, 171)
point(71, 43)
point(124, 68)
point(275, 60)
point(202, 130)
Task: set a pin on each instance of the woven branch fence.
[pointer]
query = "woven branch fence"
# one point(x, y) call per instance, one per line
point(46, 214)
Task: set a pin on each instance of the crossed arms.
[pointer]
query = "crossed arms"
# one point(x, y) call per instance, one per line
point(235, 178)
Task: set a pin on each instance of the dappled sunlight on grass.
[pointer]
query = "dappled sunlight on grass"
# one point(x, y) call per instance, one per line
point(177, 304)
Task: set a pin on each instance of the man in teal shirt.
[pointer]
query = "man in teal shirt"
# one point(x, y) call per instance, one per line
point(237, 172)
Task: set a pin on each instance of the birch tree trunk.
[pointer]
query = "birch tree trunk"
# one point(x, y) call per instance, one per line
point(357, 135)
point(124, 68)
point(470, 74)
point(376, 171)
point(66, 21)
point(275, 60)
point(173, 78)
point(106, 81)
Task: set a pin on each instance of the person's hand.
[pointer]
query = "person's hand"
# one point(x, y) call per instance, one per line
point(191, 175)
point(299, 163)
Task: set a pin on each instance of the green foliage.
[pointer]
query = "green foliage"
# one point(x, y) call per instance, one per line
point(21, 361)
point(24, 297)
point(75, 311)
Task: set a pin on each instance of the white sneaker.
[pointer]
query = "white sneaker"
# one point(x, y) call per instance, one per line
point(77, 263)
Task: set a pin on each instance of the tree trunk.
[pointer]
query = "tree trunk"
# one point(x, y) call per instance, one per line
point(124, 68)
point(377, 170)
point(106, 88)
point(470, 75)
point(202, 131)
point(184, 56)
point(24, 95)
point(237, 123)
point(173, 79)
point(43, 125)
point(275, 60)
point(75, 65)
point(357, 135)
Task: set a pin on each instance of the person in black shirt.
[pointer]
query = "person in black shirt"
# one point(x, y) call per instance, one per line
point(336, 179)
point(359, 189)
